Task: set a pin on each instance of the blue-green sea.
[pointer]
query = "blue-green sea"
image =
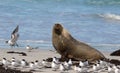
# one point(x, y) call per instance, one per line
point(95, 22)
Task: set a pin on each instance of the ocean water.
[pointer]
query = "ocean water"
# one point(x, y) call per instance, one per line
point(96, 22)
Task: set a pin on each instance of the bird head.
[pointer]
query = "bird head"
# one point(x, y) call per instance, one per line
point(6, 41)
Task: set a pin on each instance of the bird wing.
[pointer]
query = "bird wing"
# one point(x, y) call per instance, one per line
point(15, 35)
point(15, 30)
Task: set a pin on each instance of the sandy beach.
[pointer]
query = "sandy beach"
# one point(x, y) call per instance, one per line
point(40, 54)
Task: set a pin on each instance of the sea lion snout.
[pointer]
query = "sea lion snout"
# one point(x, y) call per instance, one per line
point(58, 28)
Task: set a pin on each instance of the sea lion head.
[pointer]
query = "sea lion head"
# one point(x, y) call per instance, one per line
point(58, 29)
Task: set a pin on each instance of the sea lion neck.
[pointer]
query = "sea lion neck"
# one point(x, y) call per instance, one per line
point(58, 29)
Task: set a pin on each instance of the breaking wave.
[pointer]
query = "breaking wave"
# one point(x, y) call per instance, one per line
point(104, 2)
point(110, 16)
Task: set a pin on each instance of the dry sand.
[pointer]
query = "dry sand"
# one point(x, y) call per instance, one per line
point(40, 54)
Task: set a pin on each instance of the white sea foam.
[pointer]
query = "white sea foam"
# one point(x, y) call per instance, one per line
point(103, 2)
point(110, 16)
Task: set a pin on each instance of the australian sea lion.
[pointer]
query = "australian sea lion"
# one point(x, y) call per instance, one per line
point(115, 53)
point(68, 47)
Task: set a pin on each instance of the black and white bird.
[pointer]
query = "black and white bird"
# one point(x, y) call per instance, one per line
point(54, 65)
point(13, 58)
point(37, 64)
point(14, 37)
point(70, 62)
point(15, 64)
point(81, 64)
point(44, 62)
point(110, 70)
point(23, 63)
point(86, 63)
point(80, 69)
point(94, 67)
point(117, 70)
point(30, 48)
point(56, 60)
point(5, 62)
point(62, 68)
point(32, 66)
point(67, 66)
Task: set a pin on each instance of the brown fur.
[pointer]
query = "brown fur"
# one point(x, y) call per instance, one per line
point(68, 47)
